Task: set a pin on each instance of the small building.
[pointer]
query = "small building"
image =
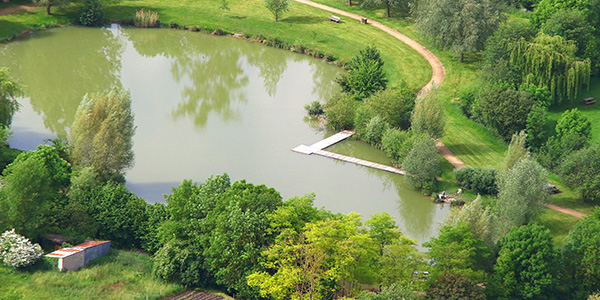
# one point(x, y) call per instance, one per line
point(73, 258)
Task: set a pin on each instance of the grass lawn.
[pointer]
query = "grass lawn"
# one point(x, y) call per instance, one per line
point(120, 275)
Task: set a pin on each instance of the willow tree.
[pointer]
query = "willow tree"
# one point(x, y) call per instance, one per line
point(550, 61)
point(9, 91)
point(102, 133)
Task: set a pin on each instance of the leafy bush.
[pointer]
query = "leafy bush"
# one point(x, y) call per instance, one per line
point(314, 108)
point(17, 251)
point(479, 180)
point(374, 130)
point(340, 111)
point(363, 115)
point(365, 74)
point(91, 13)
point(396, 143)
point(393, 105)
point(146, 18)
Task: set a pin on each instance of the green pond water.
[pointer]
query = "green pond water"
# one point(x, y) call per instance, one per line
point(207, 105)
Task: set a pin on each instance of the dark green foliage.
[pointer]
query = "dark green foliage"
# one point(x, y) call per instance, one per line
point(397, 144)
point(526, 267)
point(526, 4)
point(157, 214)
point(393, 105)
point(119, 215)
point(555, 150)
point(216, 232)
point(340, 111)
point(581, 167)
point(580, 257)
point(590, 191)
point(547, 8)
point(401, 6)
point(456, 287)
point(479, 180)
point(422, 165)
point(459, 25)
point(537, 121)
point(9, 91)
point(571, 25)
point(374, 131)
point(314, 108)
point(31, 185)
point(91, 13)
point(573, 122)
point(503, 109)
point(495, 65)
point(365, 74)
point(458, 251)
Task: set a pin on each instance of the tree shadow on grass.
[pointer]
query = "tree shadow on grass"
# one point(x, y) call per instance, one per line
point(303, 20)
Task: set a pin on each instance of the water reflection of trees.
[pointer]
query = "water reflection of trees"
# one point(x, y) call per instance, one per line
point(59, 70)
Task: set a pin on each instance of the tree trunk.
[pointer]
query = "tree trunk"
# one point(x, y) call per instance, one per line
point(48, 9)
point(349, 2)
point(388, 8)
point(462, 56)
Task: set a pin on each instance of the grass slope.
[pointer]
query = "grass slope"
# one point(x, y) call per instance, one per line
point(120, 275)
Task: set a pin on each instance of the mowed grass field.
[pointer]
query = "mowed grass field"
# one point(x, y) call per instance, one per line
point(119, 275)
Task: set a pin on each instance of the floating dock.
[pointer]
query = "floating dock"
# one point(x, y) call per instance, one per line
point(317, 149)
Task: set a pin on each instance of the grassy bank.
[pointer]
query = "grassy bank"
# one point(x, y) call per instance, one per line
point(120, 275)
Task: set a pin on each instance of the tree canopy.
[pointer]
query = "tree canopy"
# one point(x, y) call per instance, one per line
point(9, 91)
point(459, 25)
point(102, 133)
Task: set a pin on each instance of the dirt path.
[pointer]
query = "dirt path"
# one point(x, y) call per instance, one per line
point(437, 77)
point(437, 68)
point(17, 8)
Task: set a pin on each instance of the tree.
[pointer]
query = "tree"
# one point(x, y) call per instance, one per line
point(401, 5)
point(580, 257)
point(91, 13)
point(536, 124)
point(503, 109)
point(581, 167)
point(461, 26)
point(458, 251)
point(452, 286)
point(9, 91)
point(573, 122)
point(365, 74)
point(393, 105)
point(324, 258)
point(102, 133)
point(374, 131)
point(516, 150)
point(550, 61)
point(526, 265)
point(50, 3)
point(277, 7)
point(481, 221)
point(340, 111)
point(393, 292)
point(547, 8)
point(397, 144)
point(31, 183)
point(118, 214)
point(571, 25)
point(422, 165)
point(383, 230)
point(555, 150)
point(521, 193)
point(428, 116)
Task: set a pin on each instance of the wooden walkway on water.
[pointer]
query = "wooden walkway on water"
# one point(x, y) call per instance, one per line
point(317, 149)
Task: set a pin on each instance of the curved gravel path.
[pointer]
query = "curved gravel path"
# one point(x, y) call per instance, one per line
point(437, 77)
point(437, 68)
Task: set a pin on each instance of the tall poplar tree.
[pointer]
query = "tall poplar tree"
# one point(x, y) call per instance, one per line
point(102, 133)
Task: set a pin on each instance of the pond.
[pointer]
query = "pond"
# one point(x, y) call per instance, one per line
point(207, 105)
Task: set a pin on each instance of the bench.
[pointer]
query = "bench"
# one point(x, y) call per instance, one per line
point(333, 18)
point(588, 101)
